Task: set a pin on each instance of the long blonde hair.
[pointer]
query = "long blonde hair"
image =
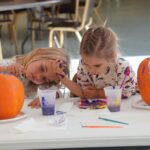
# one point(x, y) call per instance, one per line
point(43, 54)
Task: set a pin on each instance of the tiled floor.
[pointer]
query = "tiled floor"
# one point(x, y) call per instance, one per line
point(131, 20)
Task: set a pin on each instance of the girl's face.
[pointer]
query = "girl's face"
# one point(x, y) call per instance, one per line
point(94, 65)
point(40, 72)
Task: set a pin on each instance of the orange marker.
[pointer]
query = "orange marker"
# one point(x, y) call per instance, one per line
point(93, 126)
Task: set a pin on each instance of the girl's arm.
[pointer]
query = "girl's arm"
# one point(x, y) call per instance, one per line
point(15, 69)
point(83, 93)
point(4, 64)
point(101, 93)
point(3, 69)
point(91, 92)
point(73, 87)
point(58, 69)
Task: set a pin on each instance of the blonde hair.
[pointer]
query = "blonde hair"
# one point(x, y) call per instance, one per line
point(43, 54)
point(99, 41)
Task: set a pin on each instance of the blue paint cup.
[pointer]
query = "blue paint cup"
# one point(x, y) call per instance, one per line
point(47, 99)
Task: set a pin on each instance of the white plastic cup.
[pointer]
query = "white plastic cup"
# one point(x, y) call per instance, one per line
point(113, 95)
point(47, 98)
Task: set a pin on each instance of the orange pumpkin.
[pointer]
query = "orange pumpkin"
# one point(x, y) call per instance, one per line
point(143, 76)
point(11, 96)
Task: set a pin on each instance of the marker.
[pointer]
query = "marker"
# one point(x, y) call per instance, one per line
point(115, 121)
point(93, 126)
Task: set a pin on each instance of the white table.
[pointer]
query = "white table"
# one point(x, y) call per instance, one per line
point(137, 133)
point(6, 5)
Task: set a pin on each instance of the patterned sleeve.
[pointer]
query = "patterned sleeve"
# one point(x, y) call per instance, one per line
point(82, 78)
point(6, 62)
point(126, 78)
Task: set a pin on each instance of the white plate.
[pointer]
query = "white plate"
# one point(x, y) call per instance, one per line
point(21, 115)
point(140, 104)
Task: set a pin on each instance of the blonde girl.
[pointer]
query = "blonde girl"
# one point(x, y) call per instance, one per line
point(37, 67)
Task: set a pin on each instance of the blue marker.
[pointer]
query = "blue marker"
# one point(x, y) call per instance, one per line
point(115, 121)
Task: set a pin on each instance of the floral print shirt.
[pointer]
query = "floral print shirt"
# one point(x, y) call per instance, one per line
point(117, 74)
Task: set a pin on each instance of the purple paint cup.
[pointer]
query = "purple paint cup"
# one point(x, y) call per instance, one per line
point(47, 99)
point(113, 98)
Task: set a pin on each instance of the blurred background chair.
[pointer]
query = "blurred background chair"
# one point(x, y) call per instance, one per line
point(42, 17)
point(77, 25)
point(8, 18)
point(99, 18)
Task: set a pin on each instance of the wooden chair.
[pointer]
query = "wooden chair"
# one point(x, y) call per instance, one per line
point(73, 25)
point(97, 12)
point(8, 18)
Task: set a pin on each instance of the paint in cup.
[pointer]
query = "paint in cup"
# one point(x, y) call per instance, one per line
point(47, 99)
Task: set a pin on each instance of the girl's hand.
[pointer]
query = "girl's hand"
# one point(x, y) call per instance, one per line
point(59, 68)
point(15, 69)
point(35, 103)
point(90, 92)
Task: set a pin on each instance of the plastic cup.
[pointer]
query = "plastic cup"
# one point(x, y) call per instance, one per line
point(47, 98)
point(113, 95)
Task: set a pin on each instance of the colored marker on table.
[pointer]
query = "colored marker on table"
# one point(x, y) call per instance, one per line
point(97, 126)
point(115, 121)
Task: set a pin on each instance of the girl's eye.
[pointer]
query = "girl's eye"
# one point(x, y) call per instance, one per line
point(97, 66)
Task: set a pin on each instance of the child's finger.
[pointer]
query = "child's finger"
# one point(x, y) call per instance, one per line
point(61, 63)
point(12, 70)
point(35, 103)
point(55, 64)
point(32, 103)
point(58, 68)
point(20, 71)
point(91, 87)
point(16, 69)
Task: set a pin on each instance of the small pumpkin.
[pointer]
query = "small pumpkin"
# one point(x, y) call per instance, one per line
point(11, 96)
point(143, 76)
